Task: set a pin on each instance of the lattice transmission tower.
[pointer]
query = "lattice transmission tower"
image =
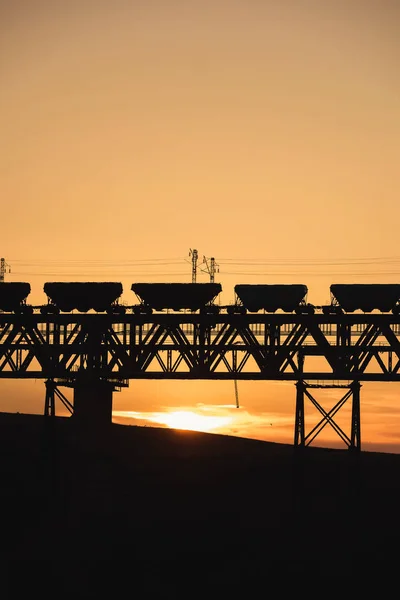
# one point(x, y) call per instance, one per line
point(4, 268)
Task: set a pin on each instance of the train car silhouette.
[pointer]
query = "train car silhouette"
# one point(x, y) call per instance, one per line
point(271, 298)
point(13, 297)
point(83, 296)
point(176, 297)
point(365, 297)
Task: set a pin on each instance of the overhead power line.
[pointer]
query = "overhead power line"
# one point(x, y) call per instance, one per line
point(232, 261)
point(311, 273)
point(177, 267)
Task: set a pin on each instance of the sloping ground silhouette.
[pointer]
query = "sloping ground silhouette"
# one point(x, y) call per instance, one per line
point(152, 511)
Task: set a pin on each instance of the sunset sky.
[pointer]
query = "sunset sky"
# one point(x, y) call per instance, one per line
point(265, 134)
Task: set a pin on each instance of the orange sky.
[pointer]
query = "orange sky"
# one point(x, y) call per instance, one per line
point(134, 130)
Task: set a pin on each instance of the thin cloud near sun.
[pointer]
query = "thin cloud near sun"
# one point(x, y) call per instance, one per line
point(216, 418)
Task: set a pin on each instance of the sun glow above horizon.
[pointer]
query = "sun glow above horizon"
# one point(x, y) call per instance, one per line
point(195, 420)
point(187, 419)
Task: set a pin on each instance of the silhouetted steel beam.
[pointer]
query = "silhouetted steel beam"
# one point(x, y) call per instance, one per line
point(190, 346)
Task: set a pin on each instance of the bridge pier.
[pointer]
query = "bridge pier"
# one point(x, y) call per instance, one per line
point(52, 392)
point(92, 399)
point(301, 439)
point(93, 403)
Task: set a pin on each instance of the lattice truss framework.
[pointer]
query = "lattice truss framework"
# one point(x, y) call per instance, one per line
point(187, 346)
point(316, 351)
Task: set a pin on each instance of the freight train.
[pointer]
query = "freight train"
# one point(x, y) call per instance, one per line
point(103, 297)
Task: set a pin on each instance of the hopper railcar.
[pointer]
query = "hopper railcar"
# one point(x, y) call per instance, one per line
point(176, 297)
point(13, 295)
point(83, 297)
point(271, 298)
point(365, 297)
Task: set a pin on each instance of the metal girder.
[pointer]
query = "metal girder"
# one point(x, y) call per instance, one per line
point(191, 346)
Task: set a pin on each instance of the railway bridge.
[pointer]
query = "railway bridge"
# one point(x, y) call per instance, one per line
point(97, 353)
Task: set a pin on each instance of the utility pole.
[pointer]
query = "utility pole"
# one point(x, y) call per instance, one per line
point(212, 268)
point(236, 393)
point(3, 269)
point(195, 255)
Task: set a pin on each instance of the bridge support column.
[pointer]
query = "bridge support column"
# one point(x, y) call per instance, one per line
point(49, 403)
point(299, 418)
point(52, 392)
point(355, 435)
point(301, 438)
point(93, 403)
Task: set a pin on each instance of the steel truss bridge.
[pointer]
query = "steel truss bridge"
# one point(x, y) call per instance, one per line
point(96, 354)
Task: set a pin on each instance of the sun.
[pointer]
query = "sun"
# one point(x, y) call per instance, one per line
point(186, 419)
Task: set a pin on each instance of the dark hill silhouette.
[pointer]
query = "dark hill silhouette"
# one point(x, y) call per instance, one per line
point(158, 509)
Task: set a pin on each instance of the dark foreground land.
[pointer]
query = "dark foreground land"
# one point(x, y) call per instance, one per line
point(143, 512)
